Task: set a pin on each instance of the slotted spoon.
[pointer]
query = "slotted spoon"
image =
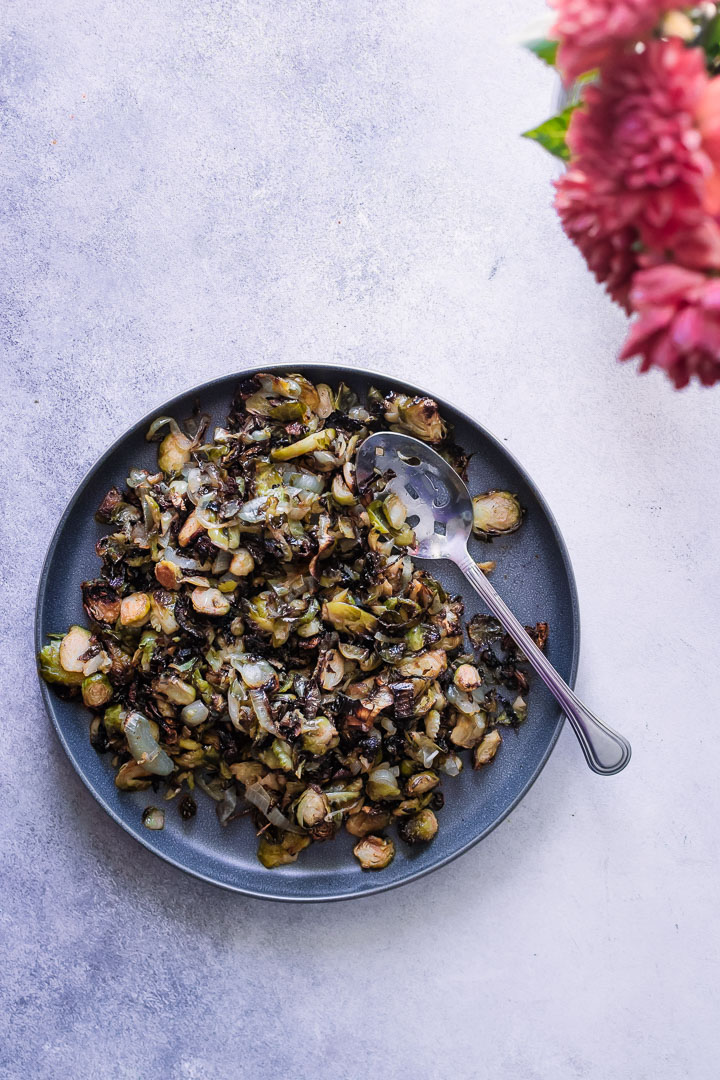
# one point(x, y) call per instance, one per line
point(440, 511)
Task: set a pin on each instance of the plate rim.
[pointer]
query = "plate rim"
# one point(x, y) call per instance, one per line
point(339, 370)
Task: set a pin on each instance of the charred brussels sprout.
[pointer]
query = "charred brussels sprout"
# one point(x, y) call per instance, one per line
point(318, 735)
point(132, 777)
point(96, 691)
point(422, 782)
point(135, 609)
point(374, 852)
point(52, 670)
point(168, 574)
point(273, 853)
point(496, 513)
point(72, 649)
point(486, 751)
point(101, 602)
point(419, 416)
point(312, 808)
point(419, 829)
point(369, 819)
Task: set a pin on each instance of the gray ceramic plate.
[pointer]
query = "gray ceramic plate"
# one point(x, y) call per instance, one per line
point(533, 574)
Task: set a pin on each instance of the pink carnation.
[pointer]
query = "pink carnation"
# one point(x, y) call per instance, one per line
point(589, 220)
point(638, 137)
point(678, 328)
point(590, 31)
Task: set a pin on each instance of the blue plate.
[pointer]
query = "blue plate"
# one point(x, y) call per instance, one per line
point(533, 574)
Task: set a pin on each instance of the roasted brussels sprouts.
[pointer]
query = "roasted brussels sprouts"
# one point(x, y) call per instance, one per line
point(467, 678)
point(168, 574)
point(258, 631)
point(96, 691)
point(422, 782)
point(210, 601)
point(487, 749)
point(496, 513)
point(52, 670)
point(101, 602)
point(374, 852)
point(132, 777)
point(72, 649)
point(319, 440)
point(318, 735)
point(419, 829)
point(419, 416)
point(369, 819)
point(273, 853)
point(312, 808)
point(135, 609)
point(242, 563)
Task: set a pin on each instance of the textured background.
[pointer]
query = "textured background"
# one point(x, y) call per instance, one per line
point(192, 186)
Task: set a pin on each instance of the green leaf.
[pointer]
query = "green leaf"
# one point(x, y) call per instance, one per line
point(543, 48)
point(710, 39)
point(552, 133)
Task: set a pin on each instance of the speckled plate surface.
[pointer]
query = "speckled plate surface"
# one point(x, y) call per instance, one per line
point(533, 574)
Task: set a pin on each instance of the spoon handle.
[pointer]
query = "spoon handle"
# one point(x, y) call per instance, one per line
point(606, 752)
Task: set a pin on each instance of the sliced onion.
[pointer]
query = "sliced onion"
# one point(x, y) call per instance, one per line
point(227, 805)
point(450, 765)
point(258, 796)
point(195, 713)
point(144, 747)
point(160, 422)
point(261, 708)
point(254, 510)
point(464, 703)
point(257, 674)
point(222, 562)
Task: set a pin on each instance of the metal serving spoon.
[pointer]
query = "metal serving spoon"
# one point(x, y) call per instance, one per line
point(440, 511)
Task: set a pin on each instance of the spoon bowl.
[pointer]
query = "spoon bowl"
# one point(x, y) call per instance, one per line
point(438, 503)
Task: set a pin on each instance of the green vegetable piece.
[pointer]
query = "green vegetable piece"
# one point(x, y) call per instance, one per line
point(273, 854)
point(496, 513)
point(419, 829)
point(374, 852)
point(318, 735)
point(113, 718)
point(312, 808)
point(415, 638)
point(319, 440)
point(349, 617)
point(377, 518)
point(174, 452)
point(96, 690)
point(72, 647)
point(52, 670)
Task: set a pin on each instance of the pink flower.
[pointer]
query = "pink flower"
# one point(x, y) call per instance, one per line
point(589, 220)
point(638, 137)
point(590, 31)
point(678, 328)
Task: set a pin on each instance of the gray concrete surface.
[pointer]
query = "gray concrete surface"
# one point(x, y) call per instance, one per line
point(192, 187)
